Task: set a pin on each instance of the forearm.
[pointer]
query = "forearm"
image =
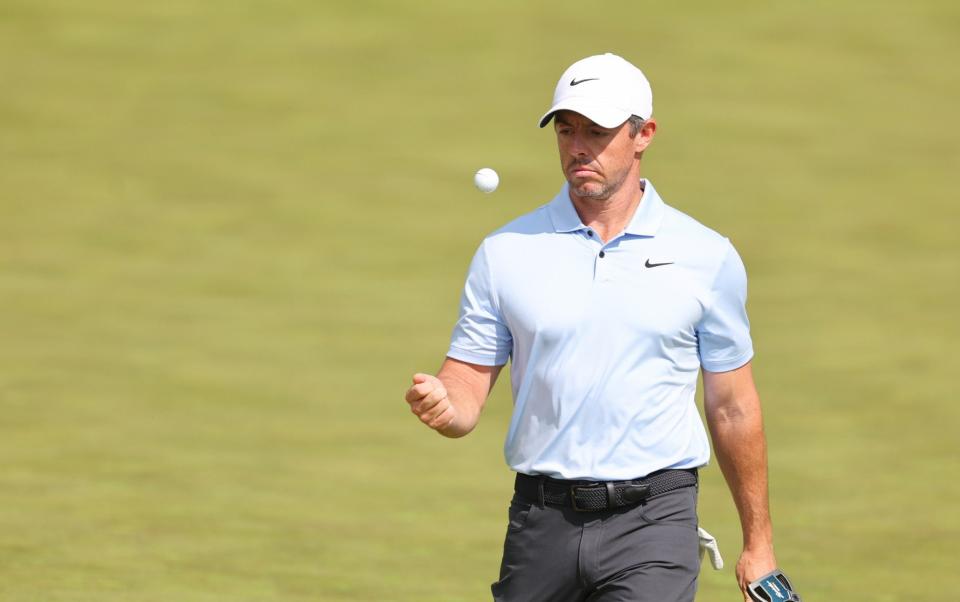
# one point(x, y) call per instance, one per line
point(450, 402)
point(741, 449)
point(466, 407)
point(466, 394)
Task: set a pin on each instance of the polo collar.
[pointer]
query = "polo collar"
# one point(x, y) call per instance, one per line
point(649, 214)
point(562, 213)
point(645, 221)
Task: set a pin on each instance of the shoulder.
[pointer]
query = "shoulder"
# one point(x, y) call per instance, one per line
point(520, 231)
point(534, 222)
point(704, 248)
point(680, 225)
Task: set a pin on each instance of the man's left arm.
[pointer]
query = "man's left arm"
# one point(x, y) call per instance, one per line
point(732, 408)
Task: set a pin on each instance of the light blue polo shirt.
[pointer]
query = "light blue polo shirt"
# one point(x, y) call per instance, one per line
point(605, 340)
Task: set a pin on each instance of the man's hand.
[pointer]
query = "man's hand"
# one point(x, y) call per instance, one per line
point(450, 402)
point(428, 400)
point(753, 564)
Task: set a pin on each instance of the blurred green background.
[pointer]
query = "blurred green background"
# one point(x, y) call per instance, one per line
point(231, 231)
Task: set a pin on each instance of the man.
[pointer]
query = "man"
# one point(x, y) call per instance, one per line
point(608, 303)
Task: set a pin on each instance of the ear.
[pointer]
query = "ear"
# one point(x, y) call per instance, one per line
point(645, 136)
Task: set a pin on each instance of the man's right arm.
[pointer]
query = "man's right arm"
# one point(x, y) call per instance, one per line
point(450, 402)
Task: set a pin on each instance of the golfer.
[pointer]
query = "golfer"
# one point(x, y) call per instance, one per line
point(608, 303)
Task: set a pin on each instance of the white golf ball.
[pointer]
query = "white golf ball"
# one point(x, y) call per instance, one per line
point(486, 180)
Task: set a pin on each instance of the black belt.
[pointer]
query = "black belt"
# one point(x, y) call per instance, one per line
point(590, 496)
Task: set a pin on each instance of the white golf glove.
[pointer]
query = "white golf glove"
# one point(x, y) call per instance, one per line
point(708, 543)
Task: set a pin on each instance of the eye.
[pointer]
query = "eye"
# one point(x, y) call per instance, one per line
point(599, 133)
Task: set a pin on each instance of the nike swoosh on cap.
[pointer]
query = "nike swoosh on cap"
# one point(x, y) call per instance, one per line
point(576, 82)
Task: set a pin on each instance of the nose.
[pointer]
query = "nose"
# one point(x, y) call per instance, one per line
point(578, 146)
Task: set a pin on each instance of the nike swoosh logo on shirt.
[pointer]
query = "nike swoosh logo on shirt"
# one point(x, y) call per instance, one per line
point(656, 265)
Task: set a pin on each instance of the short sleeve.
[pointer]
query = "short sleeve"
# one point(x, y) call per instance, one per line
point(480, 335)
point(723, 333)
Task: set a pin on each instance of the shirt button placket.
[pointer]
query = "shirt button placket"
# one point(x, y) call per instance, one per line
point(602, 270)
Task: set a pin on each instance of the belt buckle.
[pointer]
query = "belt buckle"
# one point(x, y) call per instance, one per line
point(573, 498)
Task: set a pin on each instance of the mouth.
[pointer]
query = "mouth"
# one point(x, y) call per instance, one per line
point(579, 171)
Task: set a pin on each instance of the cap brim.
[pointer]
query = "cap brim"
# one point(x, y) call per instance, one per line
point(603, 115)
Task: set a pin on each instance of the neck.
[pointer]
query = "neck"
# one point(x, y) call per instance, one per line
point(608, 217)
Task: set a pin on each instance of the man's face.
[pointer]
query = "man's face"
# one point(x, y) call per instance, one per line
point(597, 160)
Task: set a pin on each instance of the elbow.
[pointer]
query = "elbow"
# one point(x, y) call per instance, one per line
point(735, 411)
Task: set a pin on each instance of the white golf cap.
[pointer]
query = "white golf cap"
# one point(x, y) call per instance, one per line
point(605, 88)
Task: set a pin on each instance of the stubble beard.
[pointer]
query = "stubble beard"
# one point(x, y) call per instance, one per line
point(599, 191)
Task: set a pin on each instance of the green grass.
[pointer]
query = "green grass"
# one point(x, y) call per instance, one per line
point(230, 231)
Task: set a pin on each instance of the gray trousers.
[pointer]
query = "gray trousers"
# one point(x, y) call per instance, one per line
point(643, 553)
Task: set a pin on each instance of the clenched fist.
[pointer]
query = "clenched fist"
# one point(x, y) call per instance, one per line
point(428, 400)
